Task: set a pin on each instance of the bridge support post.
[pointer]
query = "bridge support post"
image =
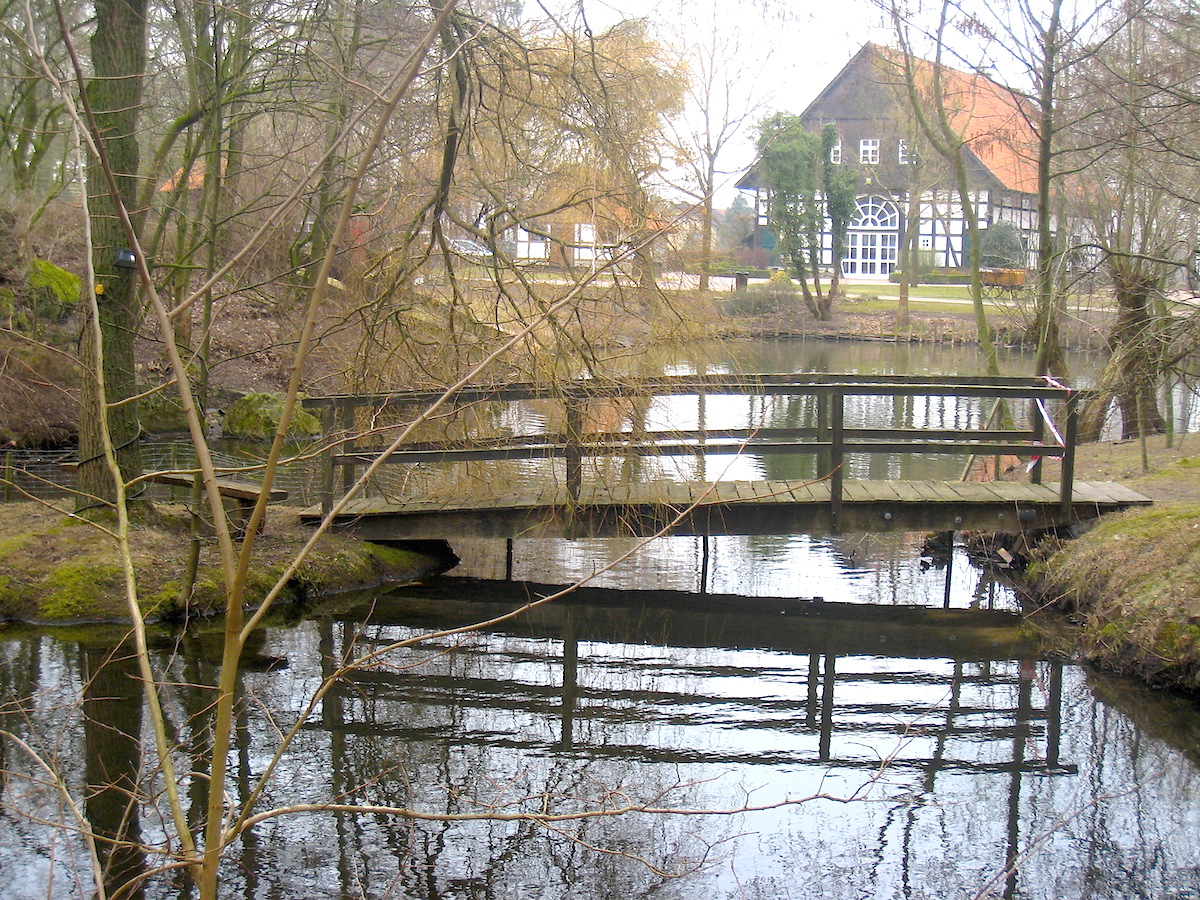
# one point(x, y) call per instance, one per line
point(837, 455)
point(1070, 438)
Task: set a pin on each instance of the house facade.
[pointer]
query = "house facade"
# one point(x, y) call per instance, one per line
point(902, 182)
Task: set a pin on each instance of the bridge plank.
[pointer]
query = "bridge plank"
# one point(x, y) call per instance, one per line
point(856, 492)
point(1121, 493)
point(908, 492)
point(1090, 493)
point(728, 508)
point(886, 490)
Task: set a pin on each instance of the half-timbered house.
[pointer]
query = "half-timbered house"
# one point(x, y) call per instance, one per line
point(901, 180)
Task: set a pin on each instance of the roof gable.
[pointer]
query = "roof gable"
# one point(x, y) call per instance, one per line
point(993, 120)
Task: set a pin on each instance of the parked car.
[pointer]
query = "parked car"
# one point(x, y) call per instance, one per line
point(472, 251)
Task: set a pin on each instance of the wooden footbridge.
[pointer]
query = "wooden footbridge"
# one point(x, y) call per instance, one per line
point(587, 459)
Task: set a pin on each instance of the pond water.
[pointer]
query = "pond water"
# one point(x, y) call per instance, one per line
point(743, 748)
point(857, 716)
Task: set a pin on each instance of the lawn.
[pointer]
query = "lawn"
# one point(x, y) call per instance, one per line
point(926, 291)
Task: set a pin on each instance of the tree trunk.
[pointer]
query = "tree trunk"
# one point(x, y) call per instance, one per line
point(1136, 355)
point(1131, 376)
point(982, 332)
point(908, 251)
point(1050, 359)
point(706, 225)
point(114, 92)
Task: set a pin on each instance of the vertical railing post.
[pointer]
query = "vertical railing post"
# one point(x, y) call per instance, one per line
point(329, 425)
point(172, 491)
point(837, 453)
point(574, 448)
point(6, 475)
point(1038, 427)
point(346, 423)
point(1070, 436)
point(824, 461)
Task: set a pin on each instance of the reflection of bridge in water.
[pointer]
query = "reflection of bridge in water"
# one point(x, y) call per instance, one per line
point(844, 698)
point(646, 682)
point(850, 430)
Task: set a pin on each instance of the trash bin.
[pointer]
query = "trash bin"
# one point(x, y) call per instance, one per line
point(741, 281)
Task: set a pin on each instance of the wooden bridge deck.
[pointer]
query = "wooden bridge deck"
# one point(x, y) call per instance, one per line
point(830, 418)
point(742, 507)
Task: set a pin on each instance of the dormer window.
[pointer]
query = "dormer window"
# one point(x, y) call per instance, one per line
point(835, 154)
point(868, 152)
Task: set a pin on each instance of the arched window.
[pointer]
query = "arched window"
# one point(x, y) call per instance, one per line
point(873, 238)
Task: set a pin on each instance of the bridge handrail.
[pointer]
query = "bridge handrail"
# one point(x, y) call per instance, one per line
point(659, 385)
point(830, 436)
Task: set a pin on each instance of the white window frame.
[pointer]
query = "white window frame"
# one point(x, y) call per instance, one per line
point(531, 245)
point(873, 238)
point(585, 242)
point(835, 153)
point(868, 152)
point(902, 154)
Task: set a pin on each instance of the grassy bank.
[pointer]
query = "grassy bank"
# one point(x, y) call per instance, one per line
point(57, 569)
point(1131, 585)
point(870, 312)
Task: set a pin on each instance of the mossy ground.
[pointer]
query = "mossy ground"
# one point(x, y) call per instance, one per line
point(1132, 583)
point(54, 568)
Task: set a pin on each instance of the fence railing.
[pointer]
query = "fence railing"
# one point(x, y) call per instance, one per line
point(1035, 402)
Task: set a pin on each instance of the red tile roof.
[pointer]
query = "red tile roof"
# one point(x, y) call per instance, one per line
point(994, 122)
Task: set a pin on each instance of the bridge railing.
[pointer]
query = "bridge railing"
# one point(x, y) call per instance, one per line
point(827, 435)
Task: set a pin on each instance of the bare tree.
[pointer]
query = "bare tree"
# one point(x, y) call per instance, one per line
point(943, 112)
point(1139, 149)
point(727, 92)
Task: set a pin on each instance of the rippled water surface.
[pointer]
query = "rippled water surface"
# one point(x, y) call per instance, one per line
point(767, 748)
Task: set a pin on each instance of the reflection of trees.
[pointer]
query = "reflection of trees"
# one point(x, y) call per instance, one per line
point(112, 725)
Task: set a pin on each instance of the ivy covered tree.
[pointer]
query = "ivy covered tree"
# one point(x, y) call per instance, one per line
point(109, 411)
point(809, 196)
point(839, 186)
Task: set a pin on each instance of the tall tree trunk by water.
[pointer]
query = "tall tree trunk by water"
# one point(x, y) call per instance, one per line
point(706, 228)
point(114, 92)
point(1050, 360)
